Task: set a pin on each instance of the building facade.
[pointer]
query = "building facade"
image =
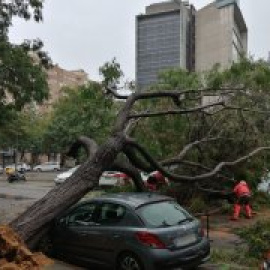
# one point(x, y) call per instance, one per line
point(221, 35)
point(59, 78)
point(173, 34)
point(164, 39)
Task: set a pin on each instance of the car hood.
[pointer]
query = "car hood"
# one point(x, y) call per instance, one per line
point(63, 175)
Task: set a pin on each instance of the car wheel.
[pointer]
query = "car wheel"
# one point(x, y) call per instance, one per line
point(129, 261)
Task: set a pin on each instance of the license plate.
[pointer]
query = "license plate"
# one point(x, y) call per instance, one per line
point(185, 240)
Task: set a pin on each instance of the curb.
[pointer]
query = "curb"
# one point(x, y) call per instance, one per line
point(13, 197)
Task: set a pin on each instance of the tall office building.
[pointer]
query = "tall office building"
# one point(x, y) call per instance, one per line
point(165, 38)
point(221, 35)
point(173, 34)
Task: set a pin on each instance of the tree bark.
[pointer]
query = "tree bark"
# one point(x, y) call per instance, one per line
point(34, 221)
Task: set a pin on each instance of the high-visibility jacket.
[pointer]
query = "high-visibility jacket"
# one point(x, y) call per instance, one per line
point(241, 189)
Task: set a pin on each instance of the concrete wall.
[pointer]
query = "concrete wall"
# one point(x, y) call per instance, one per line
point(216, 30)
point(213, 37)
point(161, 7)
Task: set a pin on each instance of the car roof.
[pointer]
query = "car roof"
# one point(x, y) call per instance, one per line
point(131, 199)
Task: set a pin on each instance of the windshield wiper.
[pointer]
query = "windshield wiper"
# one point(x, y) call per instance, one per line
point(184, 220)
point(164, 224)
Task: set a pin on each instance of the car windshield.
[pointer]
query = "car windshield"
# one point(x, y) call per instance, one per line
point(163, 214)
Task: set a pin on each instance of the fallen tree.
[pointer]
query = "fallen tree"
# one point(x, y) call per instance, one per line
point(121, 151)
point(35, 221)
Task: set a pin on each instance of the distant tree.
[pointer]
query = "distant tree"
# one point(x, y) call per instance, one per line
point(22, 77)
point(243, 130)
point(111, 73)
point(178, 78)
point(81, 110)
point(164, 136)
point(25, 9)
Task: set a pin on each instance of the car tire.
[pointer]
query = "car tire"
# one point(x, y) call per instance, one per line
point(129, 261)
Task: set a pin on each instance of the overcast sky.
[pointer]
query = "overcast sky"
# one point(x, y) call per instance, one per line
point(84, 34)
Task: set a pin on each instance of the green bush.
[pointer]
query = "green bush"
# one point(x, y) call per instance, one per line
point(232, 259)
point(260, 199)
point(257, 238)
point(197, 205)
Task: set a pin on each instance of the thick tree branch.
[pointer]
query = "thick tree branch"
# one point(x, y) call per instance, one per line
point(123, 116)
point(119, 165)
point(127, 168)
point(195, 178)
point(229, 107)
point(195, 143)
point(134, 159)
point(176, 161)
point(88, 144)
point(172, 112)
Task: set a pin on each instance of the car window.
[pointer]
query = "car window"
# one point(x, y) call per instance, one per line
point(163, 214)
point(111, 213)
point(83, 215)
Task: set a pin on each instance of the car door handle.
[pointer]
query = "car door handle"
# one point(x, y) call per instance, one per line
point(115, 236)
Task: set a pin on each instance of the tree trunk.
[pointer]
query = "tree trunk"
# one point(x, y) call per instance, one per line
point(35, 220)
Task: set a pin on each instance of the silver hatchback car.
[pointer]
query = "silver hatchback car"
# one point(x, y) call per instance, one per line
point(131, 231)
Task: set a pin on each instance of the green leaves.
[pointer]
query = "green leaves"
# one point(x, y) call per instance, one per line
point(178, 79)
point(25, 9)
point(22, 77)
point(257, 238)
point(82, 111)
point(21, 80)
point(111, 73)
point(240, 130)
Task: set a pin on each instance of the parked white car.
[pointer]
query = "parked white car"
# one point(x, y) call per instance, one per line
point(47, 166)
point(108, 178)
point(264, 185)
point(20, 166)
point(61, 177)
point(113, 178)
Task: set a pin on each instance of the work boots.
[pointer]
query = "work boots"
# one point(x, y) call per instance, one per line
point(236, 211)
point(248, 211)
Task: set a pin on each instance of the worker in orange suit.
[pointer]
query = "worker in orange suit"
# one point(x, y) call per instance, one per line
point(242, 198)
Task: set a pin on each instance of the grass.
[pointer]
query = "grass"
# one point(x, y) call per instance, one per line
point(233, 259)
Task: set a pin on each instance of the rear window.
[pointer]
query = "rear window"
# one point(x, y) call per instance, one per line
point(163, 214)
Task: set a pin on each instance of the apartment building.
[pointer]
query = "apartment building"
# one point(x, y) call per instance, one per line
point(59, 78)
point(221, 35)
